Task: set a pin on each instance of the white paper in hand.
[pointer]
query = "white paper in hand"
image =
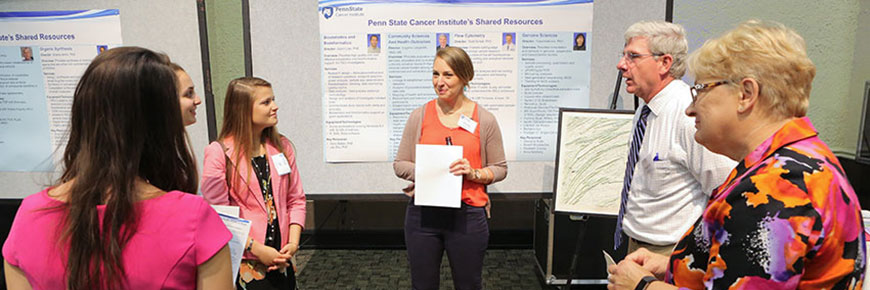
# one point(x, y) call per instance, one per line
point(608, 259)
point(229, 210)
point(434, 184)
point(240, 228)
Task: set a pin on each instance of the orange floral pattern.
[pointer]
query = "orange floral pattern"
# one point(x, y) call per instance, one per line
point(786, 218)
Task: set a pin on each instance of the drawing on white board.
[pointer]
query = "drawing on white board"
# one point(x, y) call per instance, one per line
point(593, 147)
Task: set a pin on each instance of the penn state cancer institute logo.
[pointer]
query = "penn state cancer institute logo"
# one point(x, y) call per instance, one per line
point(327, 12)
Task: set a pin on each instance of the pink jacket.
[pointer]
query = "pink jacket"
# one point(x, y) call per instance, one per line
point(246, 194)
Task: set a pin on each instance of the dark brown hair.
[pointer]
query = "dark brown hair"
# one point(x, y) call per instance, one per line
point(126, 124)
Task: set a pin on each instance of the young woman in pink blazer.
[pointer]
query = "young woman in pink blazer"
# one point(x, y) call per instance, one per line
point(253, 167)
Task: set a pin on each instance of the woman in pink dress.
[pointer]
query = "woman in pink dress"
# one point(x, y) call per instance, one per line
point(119, 217)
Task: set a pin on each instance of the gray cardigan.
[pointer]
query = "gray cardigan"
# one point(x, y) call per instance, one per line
point(491, 145)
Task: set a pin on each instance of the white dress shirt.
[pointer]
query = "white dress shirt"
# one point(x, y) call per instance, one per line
point(674, 175)
point(508, 47)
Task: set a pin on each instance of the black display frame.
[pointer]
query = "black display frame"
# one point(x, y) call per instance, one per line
point(862, 152)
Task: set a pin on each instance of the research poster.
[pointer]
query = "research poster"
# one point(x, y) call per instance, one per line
point(530, 58)
point(42, 56)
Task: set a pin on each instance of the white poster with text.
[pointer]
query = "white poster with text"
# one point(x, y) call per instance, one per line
point(530, 58)
point(42, 56)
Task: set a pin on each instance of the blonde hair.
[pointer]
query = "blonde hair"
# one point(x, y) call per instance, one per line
point(770, 53)
point(663, 38)
point(459, 61)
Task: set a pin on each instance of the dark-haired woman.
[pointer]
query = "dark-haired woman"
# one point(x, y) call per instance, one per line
point(115, 219)
point(253, 167)
point(187, 97)
point(580, 41)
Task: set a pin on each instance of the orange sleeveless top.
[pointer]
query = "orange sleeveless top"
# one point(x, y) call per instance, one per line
point(433, 132)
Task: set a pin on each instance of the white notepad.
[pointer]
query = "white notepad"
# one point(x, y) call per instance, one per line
point(434, 184)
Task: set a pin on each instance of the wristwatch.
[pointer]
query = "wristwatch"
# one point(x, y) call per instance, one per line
point(644, 282)
point(250, 245)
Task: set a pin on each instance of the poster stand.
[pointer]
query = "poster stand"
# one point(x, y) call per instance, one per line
point(581, 231)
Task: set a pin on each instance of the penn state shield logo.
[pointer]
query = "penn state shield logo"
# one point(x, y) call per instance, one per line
point(327, 12)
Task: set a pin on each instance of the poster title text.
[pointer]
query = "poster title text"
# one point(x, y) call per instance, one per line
point(455, 22)
point(36, 37)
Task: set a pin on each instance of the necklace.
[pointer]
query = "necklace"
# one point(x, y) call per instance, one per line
point(268, 198)
point(264, 175)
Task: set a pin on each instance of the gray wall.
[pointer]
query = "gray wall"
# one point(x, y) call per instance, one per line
point(837, 40)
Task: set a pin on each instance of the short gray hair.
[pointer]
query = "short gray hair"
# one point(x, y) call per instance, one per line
point(663, 38)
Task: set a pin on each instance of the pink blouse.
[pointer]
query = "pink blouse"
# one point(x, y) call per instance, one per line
point(176, 233)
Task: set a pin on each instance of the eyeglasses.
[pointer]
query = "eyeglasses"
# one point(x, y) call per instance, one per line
point(700, 88)
point(632, 57)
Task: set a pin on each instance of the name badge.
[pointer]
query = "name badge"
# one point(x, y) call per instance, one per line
point(281, 163)
point(467, 123)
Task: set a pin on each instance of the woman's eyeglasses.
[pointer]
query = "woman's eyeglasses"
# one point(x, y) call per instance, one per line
point(700, 88)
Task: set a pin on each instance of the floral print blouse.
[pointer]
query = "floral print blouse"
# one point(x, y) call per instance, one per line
point(786, 218)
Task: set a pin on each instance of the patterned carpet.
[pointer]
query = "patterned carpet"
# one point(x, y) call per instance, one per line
point(388, 269)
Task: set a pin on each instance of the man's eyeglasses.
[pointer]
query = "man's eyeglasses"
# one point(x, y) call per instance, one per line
point(700, 88)
point(632, 57)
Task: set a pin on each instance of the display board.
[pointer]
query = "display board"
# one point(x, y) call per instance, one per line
point(165, 26)
point(590, 161)
point(529, 58)
point(286, 50)
point(42, 56)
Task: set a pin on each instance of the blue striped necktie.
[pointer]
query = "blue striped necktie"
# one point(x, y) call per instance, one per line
point(636, 139)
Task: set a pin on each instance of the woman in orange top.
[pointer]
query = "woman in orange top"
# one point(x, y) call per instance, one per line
point(462, 232)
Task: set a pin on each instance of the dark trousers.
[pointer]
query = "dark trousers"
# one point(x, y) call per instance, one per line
point(463, 232)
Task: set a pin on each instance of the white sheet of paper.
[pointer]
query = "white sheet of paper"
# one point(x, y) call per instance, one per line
point(434, 184)
point(229, 210)
point(609, 261)
point(240, 229)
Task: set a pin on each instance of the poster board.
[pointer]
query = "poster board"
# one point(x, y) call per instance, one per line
point(42, 56)
point(290, 60)
point(377, 57)
point(590, 160)
point(143, 23)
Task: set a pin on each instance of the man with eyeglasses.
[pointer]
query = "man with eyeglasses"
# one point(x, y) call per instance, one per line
point(668, 176)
